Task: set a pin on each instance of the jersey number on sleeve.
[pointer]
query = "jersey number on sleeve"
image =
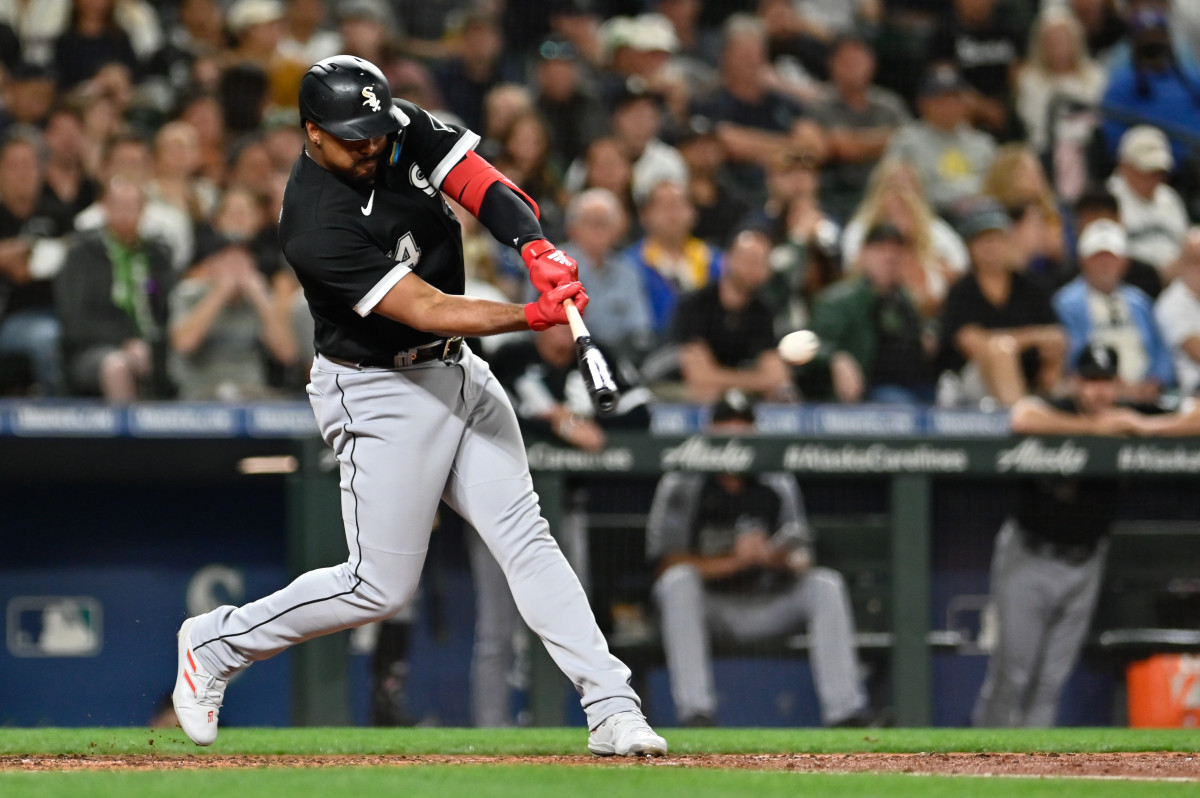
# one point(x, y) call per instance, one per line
point(407, 253)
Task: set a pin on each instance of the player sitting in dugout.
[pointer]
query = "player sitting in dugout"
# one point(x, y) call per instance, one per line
point(734, 560)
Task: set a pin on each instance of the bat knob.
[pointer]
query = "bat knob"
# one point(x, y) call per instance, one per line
point(606, 401)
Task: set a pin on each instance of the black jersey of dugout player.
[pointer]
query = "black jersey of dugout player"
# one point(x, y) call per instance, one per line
point(1074, 511)
point(723, 515)
point(351, 243)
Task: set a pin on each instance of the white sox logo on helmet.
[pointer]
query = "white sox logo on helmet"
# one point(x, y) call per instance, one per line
point(369, 93)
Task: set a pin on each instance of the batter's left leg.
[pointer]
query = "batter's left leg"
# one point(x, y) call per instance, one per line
point(491, 488)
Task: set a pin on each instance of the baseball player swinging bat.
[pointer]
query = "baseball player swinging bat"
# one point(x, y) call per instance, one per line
point(370, 174)
point(597, 376)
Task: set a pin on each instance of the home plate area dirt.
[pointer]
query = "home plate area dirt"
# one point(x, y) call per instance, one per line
point(1164, 765)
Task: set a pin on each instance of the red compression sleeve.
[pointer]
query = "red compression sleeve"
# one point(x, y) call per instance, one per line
point(470, 179)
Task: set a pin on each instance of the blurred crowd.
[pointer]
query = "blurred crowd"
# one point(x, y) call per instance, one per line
point(957, 197)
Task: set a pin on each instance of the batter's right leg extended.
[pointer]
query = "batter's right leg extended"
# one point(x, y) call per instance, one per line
point(395, 434)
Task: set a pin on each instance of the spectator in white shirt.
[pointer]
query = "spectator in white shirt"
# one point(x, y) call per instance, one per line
point(1152, 212)
point(1178, 314)
point(1059, 68)
point(307, 37)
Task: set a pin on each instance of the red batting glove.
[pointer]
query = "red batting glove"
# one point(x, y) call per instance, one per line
point(548, 310)
point(549, 267)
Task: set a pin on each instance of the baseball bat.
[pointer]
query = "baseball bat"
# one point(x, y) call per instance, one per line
point(597, 376)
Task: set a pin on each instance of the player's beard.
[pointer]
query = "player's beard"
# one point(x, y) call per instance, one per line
point(363, 172)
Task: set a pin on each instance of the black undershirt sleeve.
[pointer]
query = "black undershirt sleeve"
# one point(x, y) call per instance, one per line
point(508, 216)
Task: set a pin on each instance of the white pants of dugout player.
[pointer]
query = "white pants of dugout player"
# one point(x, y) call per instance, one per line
point(817, 600)
point(1043, 607)
point(405, 438)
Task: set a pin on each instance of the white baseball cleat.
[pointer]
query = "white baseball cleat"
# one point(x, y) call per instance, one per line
point(626, 734)
point(197, 695)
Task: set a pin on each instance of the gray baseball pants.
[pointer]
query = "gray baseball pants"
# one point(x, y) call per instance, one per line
point(1044, 606)
point(817, 599)
point(405, 438)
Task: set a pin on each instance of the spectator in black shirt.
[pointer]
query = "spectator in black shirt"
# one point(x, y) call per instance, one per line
point(1000, 336)
point(1049, 555)
point(31, 253)
point(112, 298)
point(753, 119)
point(796, 46)
point(719, 202)
point(859, 118)
point(1103, 25)
point(574, 114)
point(68, 183)
point(10, 47)
point(985, 42)
point(93, 40)
point(190, 50)
point(465, 80)
point(29, 93)
point(724, 330)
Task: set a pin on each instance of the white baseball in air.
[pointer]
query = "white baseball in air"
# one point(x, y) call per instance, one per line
point(799, 347)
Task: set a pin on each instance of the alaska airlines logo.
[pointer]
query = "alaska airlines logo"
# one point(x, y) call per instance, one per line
point(372, 101)
point(699, 454)
point(1032, 456)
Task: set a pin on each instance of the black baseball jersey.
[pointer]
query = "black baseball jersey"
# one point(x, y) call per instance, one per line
point(700, 514)
point(1069, 510)
point(350, 243)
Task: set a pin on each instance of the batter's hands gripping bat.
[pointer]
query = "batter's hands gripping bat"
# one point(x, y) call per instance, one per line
point(597, 376)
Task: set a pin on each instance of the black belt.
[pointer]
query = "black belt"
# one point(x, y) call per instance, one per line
point(447, 350)
point(1070, 552)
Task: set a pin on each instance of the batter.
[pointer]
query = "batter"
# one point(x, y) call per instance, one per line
point(413, 415)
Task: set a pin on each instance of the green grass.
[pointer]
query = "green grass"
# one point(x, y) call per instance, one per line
point(610, 779)
point(531, 742)
point(544, 781)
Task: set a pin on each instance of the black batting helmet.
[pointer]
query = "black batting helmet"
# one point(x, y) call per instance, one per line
point(348, 97)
